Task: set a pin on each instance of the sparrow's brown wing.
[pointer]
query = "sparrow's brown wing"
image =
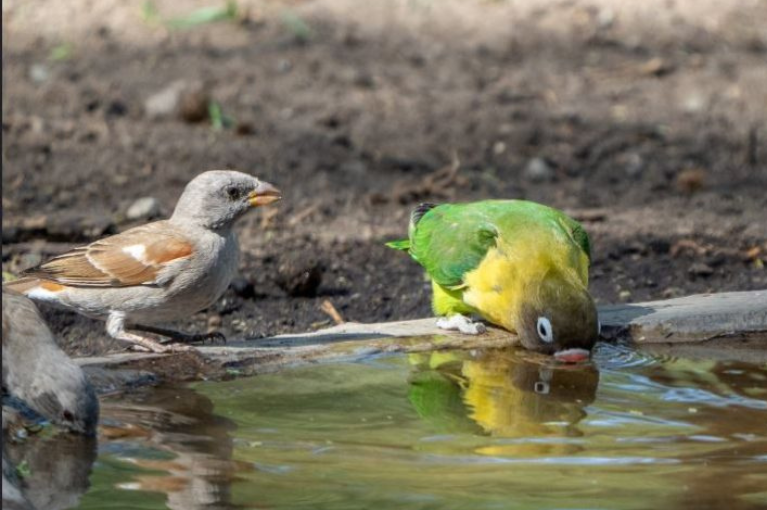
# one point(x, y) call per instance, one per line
point(134, 257)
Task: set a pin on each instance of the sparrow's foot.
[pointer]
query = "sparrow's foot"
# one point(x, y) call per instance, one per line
point(116, 329)
point(461, 323)
point(144, 344)
point(185, 338)
point(150, 345)
point(182, 338)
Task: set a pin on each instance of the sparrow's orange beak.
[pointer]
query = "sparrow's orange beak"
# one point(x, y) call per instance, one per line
point(264, 194)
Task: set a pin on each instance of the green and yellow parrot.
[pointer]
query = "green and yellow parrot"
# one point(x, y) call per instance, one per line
point(517, 264)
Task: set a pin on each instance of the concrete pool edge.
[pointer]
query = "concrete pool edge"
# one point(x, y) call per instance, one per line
point(730, 325)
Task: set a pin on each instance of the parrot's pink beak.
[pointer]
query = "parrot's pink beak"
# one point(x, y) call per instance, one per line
point(572, 355)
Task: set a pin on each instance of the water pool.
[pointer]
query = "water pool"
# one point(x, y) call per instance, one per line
point(445, 430)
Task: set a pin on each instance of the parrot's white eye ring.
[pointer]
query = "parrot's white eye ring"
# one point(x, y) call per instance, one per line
point(545, 331)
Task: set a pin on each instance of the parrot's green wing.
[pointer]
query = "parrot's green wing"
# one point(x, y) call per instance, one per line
point(450, 240)
point(579, 234)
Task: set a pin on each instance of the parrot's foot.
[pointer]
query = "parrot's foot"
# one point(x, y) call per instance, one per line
point(461, 323)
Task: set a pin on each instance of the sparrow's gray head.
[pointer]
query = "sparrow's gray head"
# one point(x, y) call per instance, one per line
point(39, 374)
point(215, 199)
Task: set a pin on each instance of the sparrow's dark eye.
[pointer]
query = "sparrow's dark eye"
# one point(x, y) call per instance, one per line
point(233, 193)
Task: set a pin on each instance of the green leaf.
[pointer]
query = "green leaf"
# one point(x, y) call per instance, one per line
point(228, 12)
point(297, 26)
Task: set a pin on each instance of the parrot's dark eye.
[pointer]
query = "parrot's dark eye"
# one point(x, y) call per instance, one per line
point(233, 193)
point(544, 330)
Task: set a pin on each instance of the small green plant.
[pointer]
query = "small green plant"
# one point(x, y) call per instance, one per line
point(230, 11)
point(61, 52)
point(218, 119)
point(149, 13)
point(297, 27)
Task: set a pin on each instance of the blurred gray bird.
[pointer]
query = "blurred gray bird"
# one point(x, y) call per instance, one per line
point(159, 272)
point(39, 374)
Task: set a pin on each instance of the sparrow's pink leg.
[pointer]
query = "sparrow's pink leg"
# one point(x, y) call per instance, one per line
point(116, 329)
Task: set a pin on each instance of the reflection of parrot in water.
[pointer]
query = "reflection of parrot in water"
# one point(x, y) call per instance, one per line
point(518, 264)
point(504, 395)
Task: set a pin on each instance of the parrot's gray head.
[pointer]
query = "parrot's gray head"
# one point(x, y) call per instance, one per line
point(560, 318)
point(215, 199)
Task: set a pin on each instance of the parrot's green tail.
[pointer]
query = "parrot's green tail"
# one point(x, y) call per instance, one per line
point(403, 244)
point(415, 217)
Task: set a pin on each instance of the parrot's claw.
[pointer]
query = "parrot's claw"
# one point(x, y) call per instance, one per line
point(461, 323)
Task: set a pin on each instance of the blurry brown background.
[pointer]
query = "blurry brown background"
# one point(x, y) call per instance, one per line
point(646, 120)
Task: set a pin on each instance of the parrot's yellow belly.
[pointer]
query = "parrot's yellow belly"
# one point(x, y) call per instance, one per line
point(498, 286)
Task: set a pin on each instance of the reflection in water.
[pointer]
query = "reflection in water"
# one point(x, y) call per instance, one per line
point(176, 432)
point(57, 468)
point(503, 393)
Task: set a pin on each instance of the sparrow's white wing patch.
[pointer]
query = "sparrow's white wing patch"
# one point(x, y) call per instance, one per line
point(137, 251)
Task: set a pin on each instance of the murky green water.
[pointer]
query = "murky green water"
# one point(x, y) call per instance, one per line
point(446, 431)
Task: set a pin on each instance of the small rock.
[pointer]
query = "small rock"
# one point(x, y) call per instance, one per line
point(39, 73)
point(691, 180)
point(181, 98)
point(300, 275)
point(695, 102)
point(624, 295)
point(194, 106)
point(538, 170)
point(244, 129)
point(143, 208)
point(164, 102)
point(634, 164)
point(701, 269)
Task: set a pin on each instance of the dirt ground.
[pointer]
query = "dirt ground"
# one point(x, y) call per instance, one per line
point(647, 120)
